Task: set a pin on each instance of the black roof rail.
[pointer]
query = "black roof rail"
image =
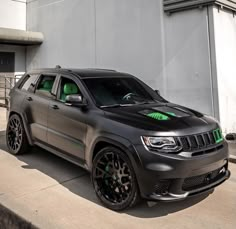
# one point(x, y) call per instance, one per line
point(102, 69)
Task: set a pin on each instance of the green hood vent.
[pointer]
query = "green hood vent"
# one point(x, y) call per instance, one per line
point(165, 113)
point(158, 116)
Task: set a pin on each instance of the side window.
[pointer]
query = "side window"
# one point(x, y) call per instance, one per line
point(67, 87)
point(45, 85)
point(28, 82)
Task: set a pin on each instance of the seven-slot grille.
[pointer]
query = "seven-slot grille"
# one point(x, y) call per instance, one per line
point(200, 141)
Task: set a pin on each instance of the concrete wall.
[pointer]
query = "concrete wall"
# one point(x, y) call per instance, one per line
point(170, 53)
point(187, 60)
point(13, 14)
point(225, 43)
point(124, 35)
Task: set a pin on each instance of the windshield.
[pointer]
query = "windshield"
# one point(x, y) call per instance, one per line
point(118, 91)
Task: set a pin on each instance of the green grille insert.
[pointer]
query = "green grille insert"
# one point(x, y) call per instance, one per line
point(158, 116)
point(218, 135)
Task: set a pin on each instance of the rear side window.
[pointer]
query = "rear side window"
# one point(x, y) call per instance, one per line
point(45, 85)
point(28, 82)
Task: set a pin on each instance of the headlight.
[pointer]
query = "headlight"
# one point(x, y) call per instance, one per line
point(161, 144)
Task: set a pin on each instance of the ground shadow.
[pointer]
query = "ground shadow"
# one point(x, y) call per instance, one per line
point(77, 180)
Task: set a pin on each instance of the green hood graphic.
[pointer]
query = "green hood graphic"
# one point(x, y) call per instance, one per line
point(158, 116)
point(164, 113)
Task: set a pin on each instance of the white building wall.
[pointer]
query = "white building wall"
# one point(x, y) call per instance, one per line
point(225, 43)
point(170, 53)
point(69, 35)
point(187, 60)
point(13, 14)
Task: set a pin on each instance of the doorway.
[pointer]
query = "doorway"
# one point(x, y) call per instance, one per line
point(7, 62)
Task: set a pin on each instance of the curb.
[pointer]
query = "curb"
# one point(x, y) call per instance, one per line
point(232, 159)
point(9, 219)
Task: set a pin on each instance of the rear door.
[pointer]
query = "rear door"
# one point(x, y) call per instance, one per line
point(66, 124)
point(36, 106)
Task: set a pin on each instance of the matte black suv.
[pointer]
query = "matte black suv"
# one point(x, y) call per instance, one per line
point(134, 142)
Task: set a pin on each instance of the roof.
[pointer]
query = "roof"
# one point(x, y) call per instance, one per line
point(84, 73)
point(171, 6)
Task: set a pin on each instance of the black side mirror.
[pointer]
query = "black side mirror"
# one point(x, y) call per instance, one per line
point(76, 101)
point(158, 92)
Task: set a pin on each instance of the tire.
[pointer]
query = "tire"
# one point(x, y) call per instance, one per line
point(114, 179)
point(16, 138)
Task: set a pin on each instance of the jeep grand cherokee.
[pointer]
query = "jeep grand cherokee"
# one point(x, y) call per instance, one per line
point(133, 141)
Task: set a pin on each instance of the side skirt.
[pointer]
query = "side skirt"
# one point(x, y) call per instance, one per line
point(64, 155)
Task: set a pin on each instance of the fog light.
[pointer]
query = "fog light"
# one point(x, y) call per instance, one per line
point(162, 187)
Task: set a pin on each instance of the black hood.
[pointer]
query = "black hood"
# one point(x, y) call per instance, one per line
point(160, 117)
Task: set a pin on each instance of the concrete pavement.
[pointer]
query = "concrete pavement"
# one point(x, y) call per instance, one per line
point(53, 193)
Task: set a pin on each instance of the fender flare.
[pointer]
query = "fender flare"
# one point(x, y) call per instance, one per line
point(117, 141)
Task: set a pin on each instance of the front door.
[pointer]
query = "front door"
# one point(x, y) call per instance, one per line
point(66, 124)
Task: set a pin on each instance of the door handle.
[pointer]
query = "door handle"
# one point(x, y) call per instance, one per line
point(55, 107)
point(29, 98)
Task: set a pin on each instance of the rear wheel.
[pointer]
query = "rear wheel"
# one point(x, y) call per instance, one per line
point(114, 179)
point(16, 138)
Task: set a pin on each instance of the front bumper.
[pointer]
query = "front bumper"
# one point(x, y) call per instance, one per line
point(168, 177)
point(173, 197)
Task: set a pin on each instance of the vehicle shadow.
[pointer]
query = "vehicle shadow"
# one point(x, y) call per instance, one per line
point(77, 180)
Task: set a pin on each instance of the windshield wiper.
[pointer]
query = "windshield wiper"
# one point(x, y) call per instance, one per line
point(146, 102)
point(127, 105)
point(116, 105)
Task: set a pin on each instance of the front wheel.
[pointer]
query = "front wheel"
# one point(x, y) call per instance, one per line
point(114, 179)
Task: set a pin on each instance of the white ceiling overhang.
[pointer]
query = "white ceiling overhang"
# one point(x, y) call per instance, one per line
point(20, 37)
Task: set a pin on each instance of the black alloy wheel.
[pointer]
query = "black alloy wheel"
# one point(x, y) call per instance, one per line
point(114, 179)
point(16, 138)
